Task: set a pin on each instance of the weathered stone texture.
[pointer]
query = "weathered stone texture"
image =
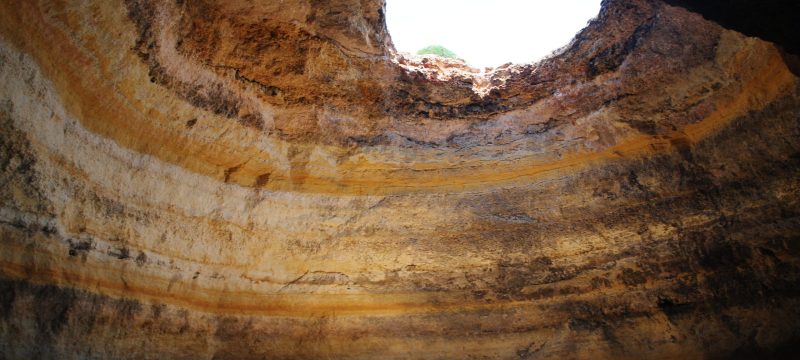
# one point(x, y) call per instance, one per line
point(269, 179)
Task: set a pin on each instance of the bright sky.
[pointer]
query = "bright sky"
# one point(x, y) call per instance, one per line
point(488, 32)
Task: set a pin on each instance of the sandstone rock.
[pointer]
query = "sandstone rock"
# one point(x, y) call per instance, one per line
point(270, 179)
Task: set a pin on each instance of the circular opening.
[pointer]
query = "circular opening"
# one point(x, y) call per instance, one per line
point(487, 34)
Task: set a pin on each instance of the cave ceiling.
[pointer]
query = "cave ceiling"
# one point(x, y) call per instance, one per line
point(271, 179)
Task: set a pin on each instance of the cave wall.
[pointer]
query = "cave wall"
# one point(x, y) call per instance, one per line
point(261, 179)
point(771, 20)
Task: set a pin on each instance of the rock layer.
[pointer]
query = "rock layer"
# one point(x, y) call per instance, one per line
point(237, 179)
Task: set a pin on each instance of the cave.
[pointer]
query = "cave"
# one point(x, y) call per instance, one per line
point(259, 179)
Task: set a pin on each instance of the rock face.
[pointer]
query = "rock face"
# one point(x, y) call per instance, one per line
point(772, 20)
point(269, 179)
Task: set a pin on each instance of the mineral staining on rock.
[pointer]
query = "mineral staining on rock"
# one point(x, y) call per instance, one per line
point(235, 179)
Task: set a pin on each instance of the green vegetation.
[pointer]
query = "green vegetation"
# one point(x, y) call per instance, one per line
point(437, 50)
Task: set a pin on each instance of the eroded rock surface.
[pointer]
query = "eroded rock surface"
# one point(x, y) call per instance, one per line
point(269, 179)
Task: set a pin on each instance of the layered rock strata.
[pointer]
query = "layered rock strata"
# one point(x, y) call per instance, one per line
point(263, 179)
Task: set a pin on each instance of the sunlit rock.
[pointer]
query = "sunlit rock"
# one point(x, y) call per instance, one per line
point(270, 179)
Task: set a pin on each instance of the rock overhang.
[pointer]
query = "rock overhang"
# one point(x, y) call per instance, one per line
point(193, 175)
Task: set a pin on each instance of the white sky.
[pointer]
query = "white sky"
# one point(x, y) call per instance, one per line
point(488, 32)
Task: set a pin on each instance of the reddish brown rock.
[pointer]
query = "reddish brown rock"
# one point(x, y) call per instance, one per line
point(265, 179)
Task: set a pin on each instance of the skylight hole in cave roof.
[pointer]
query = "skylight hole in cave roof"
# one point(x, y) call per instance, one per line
point(488, 33)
